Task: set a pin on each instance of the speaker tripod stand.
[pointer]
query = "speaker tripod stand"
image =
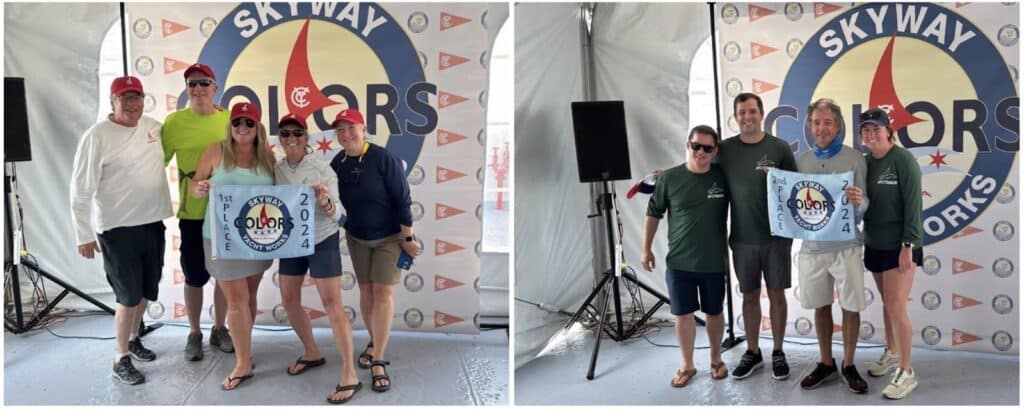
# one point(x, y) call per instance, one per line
point(608, 288)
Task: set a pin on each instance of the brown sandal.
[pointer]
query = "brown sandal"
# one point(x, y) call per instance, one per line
point(685, 376)
point(715, 367)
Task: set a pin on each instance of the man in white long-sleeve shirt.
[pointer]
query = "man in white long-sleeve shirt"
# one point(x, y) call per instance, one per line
point(118, 177)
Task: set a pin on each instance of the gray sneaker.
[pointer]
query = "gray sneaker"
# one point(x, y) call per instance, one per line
point(140, 352)
point(220, 337)
point(125, 372)
point(194, 347)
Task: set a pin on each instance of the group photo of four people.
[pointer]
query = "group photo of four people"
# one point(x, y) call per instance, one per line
point(731, 175)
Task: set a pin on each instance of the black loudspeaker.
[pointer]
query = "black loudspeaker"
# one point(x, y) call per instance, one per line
point(601, 150)
point(16, 143)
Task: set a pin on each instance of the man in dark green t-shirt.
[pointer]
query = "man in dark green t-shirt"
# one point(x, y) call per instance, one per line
point(696, 198)
point(745, 159)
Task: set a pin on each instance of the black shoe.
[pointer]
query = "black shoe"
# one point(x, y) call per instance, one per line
point(748, 363)
point(852, 379)
point(140, 352)
point(822, 373)
point(125, 372)
point(780, 369)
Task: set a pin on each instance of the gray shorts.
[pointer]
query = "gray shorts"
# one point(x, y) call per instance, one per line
point(232, 269)
point(772, 260)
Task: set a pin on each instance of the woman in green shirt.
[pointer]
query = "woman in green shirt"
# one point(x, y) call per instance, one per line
point(892, 243)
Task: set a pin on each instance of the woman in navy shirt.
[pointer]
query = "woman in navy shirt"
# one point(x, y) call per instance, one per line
point(378, 228)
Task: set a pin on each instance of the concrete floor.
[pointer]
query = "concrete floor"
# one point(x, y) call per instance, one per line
point(426, 368)
point(638, 373)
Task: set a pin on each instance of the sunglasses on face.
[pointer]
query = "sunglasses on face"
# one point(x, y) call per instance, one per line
point(871, 115)
point(295, 133)
point(696, 146)
point(204, 82)
point(239, 121)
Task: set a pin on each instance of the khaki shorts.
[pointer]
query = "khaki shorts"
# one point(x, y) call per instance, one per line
point(841, 270)
point(376, 261)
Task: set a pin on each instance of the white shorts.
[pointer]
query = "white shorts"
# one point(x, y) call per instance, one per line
point(820, 272)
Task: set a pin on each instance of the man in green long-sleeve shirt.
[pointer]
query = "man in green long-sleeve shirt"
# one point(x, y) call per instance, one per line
point(745, 159)
point(696, 198)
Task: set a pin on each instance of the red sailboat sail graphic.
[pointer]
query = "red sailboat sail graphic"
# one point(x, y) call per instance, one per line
point(301, 93)
point(883, 92)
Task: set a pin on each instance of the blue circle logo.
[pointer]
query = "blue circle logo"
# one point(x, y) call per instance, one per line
point(964, 133)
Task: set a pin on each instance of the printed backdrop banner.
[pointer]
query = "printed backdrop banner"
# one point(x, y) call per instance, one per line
point(418, 72)
point(947, 74)
point(261, 222)
point(810, 206)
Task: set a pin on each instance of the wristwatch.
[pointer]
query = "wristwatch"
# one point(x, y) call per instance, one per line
point(908, 245)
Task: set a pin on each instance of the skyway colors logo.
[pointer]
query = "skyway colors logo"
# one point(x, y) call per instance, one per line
point(964, 132)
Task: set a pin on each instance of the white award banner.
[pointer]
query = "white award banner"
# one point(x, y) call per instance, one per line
point(417, 71)
point(948, 75)
point(810, 206)
point(261, 222)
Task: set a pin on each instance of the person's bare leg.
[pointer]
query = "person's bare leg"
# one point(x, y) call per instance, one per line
point(123, 319)
point(716, 328)
point(752, 318)
point(220, 306)
point(851, 330)
point(240, 327)
point(383, 313)
point(686, 332)
point(291, 298)
point(366, 308)
point(193, 306)
point(330, 297)
point(898, 285)
point(880, 284)
point(777, 311)
point(823, 329)
point(137, 315)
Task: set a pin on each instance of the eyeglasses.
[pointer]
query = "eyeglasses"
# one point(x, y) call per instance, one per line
point(696, 146)
point(295, 133)
point(238, 121)
point(130, 97)
point(204, 82)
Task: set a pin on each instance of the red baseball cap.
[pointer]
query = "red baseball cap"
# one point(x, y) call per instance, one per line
point(202, 68)
point(348, 115)
point(245, 110)
point(291, 118)
point(121, 85)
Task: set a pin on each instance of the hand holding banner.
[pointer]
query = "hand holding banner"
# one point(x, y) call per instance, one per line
point(261, 222)
point(810, 206)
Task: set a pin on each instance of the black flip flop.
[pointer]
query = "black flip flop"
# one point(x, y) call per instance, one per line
point(339, 388)
point(306, 364)
point(366, 355)
point(240, 379)
point(383, 364)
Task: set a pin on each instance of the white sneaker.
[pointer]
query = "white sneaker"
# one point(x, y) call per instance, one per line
point(903, 382)
point(885, 365)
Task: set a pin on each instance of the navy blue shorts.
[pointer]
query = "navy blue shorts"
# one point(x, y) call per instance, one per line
point(684, 288)
point(193, 257)
point(325, 262)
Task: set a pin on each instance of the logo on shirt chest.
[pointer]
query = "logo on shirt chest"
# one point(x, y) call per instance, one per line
point(888, 178)
point(150, 138)
point(715, 191)
point(764, 162)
